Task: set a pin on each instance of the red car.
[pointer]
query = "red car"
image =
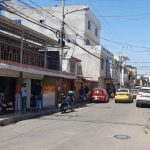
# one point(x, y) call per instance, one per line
point(99, 95)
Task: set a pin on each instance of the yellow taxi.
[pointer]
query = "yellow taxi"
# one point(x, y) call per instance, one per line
point(123, 95)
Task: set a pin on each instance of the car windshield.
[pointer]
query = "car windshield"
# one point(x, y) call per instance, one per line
point(98, 91)
point(145, 90)
point(122, 90)
point(134, 90)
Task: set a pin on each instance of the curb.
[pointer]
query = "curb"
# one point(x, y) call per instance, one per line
point(15, 119)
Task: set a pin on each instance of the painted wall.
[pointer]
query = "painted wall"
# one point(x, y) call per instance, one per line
point(49, 91)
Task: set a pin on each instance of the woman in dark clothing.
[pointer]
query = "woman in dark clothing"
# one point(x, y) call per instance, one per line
point(38, 96)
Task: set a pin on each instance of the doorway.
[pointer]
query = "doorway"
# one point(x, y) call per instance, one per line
point(34, 83)
point(7, 93)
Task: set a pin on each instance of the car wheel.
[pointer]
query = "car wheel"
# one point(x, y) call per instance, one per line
point(116, 102)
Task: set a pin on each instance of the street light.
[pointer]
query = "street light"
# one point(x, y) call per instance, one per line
point(84, 8)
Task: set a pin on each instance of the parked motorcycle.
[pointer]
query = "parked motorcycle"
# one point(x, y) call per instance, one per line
point(67, 104)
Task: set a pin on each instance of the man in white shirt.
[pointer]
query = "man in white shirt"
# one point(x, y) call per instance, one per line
point(23, 95)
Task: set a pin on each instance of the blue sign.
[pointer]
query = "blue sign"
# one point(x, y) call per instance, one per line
point(18, 21)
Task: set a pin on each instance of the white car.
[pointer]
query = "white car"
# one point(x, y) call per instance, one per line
point(143, 96)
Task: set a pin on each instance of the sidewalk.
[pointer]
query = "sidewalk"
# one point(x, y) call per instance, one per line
point(18, 116)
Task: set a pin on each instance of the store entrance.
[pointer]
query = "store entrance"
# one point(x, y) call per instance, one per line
point(7, 94)
point(34, 83)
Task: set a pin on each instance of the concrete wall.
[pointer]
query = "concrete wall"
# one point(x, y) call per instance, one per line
point(90, 64)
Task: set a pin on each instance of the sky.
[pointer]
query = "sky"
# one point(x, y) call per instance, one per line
point(124, 27)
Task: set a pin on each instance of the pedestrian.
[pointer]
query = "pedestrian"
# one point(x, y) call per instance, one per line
point(114, 92)
point(82, 94)
point(38, 96)
point(23, 95)
point(109, 92)
point(86, 90)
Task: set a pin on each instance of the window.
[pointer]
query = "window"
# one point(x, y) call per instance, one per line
point(79, 69)
point(96, 32)
point(98, 91)
point(72, 67)
point(145, 90)
point(42, 21)
point(89, 25)
point(88, 42)
point(102, 64)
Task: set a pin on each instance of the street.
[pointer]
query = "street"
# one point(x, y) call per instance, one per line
point(100, 126)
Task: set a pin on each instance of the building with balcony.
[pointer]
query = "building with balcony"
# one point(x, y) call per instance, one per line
point(25, 58)
point(82, 36)
point(85, 30)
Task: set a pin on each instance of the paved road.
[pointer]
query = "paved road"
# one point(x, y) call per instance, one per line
point(107, 126)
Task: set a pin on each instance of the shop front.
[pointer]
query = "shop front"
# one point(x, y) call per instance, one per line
point(110, 87)
point(7, 94)
point(35, 84)
point(31, 81)
point(68, 84)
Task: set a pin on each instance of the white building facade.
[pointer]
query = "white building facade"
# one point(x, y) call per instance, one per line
point(81, 27)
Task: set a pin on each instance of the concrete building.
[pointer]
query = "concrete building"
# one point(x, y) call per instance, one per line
point(117, 67)
point(24, 59)
point(81, 27)
point(106, 65)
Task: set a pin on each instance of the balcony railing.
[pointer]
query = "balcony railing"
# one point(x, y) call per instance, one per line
point(30, 57)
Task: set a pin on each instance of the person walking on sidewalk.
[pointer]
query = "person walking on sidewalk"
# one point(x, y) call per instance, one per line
point(23, 95)
point(38, 96)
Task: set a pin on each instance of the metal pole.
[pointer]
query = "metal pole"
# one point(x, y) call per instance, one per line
point(45, 56)
point(62, 36)
point(21, 50)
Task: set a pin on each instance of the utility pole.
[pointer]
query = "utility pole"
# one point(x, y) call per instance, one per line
point(60, 81)
point(62, 36)
point(122, 60)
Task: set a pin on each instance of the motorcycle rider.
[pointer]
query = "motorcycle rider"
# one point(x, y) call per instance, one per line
point(68, 102)
point(71, 97)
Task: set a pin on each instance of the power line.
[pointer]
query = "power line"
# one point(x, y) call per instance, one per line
point(27, 18)
point(120, 43)
point(37, 11)
point(45, 11)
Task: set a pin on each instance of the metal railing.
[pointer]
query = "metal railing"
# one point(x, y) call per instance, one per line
point(30, 57)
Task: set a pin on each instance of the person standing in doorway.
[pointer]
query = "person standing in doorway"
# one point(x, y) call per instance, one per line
point(86, 90)
point(38, 96)
point(23, 95)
